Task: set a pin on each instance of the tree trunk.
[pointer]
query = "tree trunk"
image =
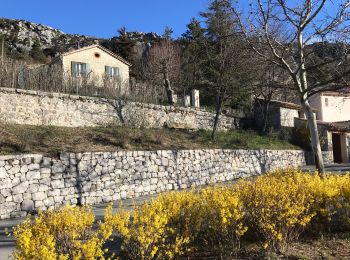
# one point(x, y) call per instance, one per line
point(265, 116)
point(315, 140)
point(311, 119)
point(217, 115)
point(168, 90)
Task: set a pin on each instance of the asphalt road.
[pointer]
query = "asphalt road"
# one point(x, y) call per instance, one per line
point(341, 168)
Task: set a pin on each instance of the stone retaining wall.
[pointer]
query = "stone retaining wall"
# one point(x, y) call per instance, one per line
point(327, 157)
point(40, 108)
point(33, 182)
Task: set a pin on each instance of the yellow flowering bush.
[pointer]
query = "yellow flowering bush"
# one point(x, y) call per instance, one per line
point(176, 223)
point(220, 219)
point(61, 234)
point(344, 201)
point(278, 205)
point(156, 230)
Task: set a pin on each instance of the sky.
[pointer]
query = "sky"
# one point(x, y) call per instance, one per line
point(102, 18)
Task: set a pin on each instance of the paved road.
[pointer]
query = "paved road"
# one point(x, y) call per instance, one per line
point(7, 243)
point(342, 168)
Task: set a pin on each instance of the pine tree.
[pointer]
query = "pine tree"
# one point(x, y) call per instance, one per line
point(125, 46)
point(36, 53)
point(193, 45)
point(227, 61)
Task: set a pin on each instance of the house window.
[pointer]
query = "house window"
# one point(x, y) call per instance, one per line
point(112, 72)
point(301, 114)
point(326, 102)
point(79, 69)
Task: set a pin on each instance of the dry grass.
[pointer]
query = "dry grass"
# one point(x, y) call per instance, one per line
point(51, 140)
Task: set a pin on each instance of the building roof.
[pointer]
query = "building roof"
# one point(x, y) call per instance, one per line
point(342, 92)
point(343, 126)
point(94, 46)
point(286, 104)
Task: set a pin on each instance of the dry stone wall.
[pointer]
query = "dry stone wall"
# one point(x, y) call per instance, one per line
point(32, 182)
point(41, 108)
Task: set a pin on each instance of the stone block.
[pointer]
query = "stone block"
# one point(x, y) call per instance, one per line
point(33, 166)
point(39, 196)
point(33, 174)
point(56, 184)
point(3, 173)
point(27, 205)
point(20, 188)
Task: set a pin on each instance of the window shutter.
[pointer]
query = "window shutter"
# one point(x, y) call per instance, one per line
point(107, 71)
point(117, 72)
point(87, 68)
point(74, 68)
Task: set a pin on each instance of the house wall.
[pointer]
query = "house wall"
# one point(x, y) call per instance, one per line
point(324, 134)
point(338, 108)
point(277, 117)
point(348, 147)
point(287, 116)
point(316, 102)
point(36, 182)
point(343, 147)
point(97, 65)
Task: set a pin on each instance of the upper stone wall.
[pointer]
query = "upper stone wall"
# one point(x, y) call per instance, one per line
point(41, 108)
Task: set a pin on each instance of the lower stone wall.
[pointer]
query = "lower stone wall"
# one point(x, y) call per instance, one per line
point(40, 108)
point(327, 157)
point(32, 182)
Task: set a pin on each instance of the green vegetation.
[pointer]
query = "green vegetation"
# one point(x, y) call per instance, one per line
point(50, 139)
point(37, 53)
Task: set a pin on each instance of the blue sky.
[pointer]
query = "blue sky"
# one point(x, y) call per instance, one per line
point(102, 18)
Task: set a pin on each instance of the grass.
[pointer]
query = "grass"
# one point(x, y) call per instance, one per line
point(51, 140)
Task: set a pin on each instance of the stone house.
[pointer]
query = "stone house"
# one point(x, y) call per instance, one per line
point(95, 63)
point(279, 114)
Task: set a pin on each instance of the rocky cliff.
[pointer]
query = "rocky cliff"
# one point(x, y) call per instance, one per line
point(20, 35)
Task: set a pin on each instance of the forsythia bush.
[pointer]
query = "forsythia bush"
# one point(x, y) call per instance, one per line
point(175, 223)
point(150, 231)
point(277, 206)
point(61, 234)
point(331, 199)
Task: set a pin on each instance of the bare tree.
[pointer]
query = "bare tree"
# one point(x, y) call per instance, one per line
point(287, 31)
point(164, 62)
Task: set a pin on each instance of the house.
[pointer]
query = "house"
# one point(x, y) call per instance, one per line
point(334, 138)
point(332, 112)
point(279, 114)
point(332, 106)
point(95, 63)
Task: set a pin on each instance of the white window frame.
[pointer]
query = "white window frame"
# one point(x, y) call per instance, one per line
point(112, 72)
point(81, 69)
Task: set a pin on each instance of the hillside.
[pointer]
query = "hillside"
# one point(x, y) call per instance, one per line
point(16, 139)
point(21, 35)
